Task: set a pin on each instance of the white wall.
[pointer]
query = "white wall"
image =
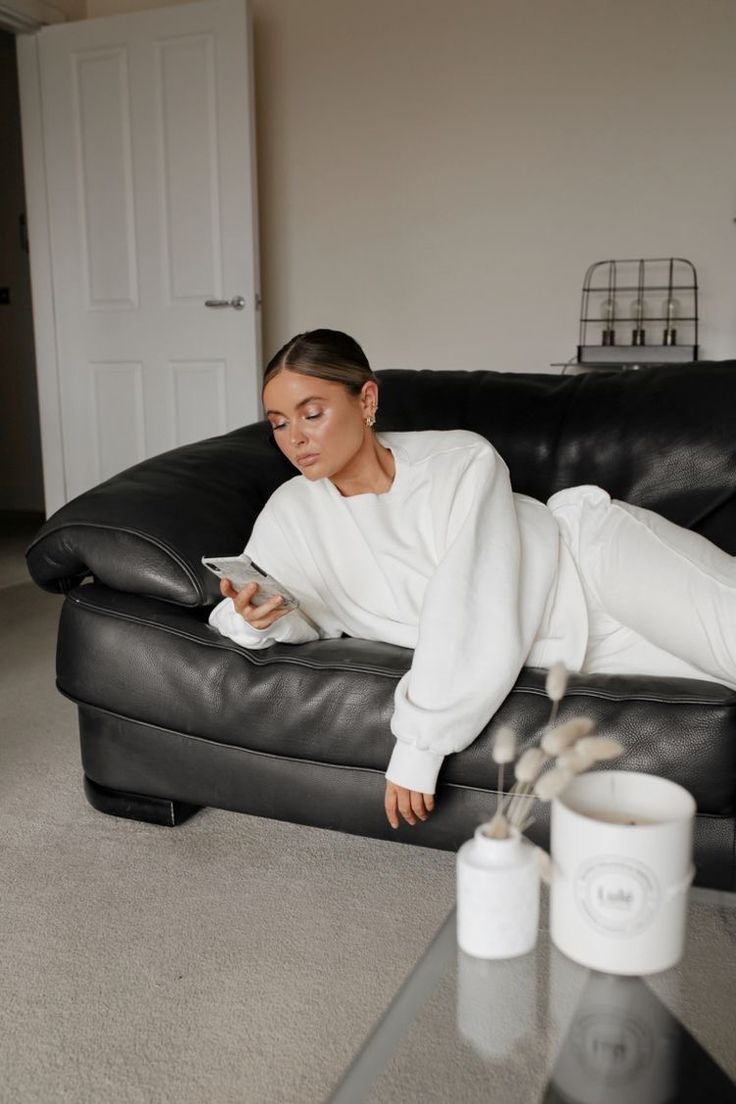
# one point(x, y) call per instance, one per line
point(70, 9)
point(435, 177)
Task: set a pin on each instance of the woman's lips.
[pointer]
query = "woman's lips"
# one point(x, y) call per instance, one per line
point(310, 458)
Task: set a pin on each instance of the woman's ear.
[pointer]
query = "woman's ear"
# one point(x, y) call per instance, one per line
point(369, 396)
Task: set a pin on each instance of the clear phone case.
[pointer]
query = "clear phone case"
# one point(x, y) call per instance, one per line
point(241, 570)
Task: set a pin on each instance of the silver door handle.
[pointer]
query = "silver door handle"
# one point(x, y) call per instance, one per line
point(238, 302)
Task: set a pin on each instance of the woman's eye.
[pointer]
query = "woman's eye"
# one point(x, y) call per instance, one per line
point(307, 417)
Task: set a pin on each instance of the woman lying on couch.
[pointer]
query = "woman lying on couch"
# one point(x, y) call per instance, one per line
point(417, 539)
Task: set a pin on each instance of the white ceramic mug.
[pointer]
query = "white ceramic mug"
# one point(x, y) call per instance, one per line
point(622, 864)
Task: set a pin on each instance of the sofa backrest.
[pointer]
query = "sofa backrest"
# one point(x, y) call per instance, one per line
point(663, 438)
point(659, 437)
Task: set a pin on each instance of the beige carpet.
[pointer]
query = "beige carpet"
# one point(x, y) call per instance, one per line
point(230, 960)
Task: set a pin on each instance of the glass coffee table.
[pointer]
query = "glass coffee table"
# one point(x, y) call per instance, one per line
point(541, 1028)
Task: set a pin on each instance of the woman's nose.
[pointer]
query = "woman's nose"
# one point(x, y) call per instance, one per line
point(296, 435)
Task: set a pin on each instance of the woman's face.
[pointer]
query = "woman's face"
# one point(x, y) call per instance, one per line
point(318, 425)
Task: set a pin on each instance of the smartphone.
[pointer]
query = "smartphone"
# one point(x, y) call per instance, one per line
point(241, 570)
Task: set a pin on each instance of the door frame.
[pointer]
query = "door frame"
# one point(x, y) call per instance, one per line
point(42, 296)
point(24, 16)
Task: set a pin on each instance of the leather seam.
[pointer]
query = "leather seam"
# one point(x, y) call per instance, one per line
point(237, 649)
point(595, 692)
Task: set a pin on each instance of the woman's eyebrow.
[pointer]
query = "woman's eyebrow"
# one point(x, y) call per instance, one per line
point(311, 398)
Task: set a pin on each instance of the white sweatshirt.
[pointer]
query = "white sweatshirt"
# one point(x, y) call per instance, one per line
point(448, 562)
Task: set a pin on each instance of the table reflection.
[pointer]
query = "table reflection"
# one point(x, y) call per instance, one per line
point(609, 1038)
point(622, 1046)
point(496, 1002)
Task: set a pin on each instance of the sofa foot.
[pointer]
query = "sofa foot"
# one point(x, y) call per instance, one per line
point(153, 810)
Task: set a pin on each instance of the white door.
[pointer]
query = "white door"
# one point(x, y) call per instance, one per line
point(148, 138)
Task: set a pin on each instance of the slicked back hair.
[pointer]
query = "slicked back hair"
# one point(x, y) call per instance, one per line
point(324, 354)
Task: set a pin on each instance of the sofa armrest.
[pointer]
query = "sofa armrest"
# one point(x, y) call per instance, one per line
point(145, 530)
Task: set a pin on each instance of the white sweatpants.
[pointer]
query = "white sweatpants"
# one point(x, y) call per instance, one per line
point(661, 599)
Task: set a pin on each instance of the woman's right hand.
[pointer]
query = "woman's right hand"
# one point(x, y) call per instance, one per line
point(258, 617)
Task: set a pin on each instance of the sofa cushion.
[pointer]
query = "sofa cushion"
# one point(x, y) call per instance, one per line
point(331, 701)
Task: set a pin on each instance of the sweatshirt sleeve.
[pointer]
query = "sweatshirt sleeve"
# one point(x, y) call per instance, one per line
point(479, 618)
point(269, 547)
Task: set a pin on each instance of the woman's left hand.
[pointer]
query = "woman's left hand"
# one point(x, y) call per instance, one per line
point(410, 803)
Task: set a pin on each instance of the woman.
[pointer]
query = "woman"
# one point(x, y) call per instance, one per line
point(417, 539)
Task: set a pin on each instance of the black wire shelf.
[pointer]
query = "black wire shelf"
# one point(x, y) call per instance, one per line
point(615, 330)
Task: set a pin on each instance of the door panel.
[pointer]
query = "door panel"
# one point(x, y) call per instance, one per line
point(103, 170)
point(193, 244)
point(199, 398)
point(117, 397)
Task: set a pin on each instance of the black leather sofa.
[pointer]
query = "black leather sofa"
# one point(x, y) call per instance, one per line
point(173, 717)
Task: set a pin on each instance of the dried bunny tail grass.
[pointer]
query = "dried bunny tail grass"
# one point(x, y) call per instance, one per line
point(528, 771)
point(574, 759)
point(504, 750)
point(556, 740)
point(556, 683)
point(600, 748)
point(530, 764)
point(552, 783)
point(544, 865)
point(504, 745)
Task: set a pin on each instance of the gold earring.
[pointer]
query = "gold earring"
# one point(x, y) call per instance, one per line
point(371, 419)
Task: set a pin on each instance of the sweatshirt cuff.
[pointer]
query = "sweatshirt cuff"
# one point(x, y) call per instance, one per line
point(414, 768)
point(228, 621)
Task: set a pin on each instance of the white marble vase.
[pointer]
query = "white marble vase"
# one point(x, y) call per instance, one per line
point(497, 896)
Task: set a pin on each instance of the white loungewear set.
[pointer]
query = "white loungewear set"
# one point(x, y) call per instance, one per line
point(480, 581)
